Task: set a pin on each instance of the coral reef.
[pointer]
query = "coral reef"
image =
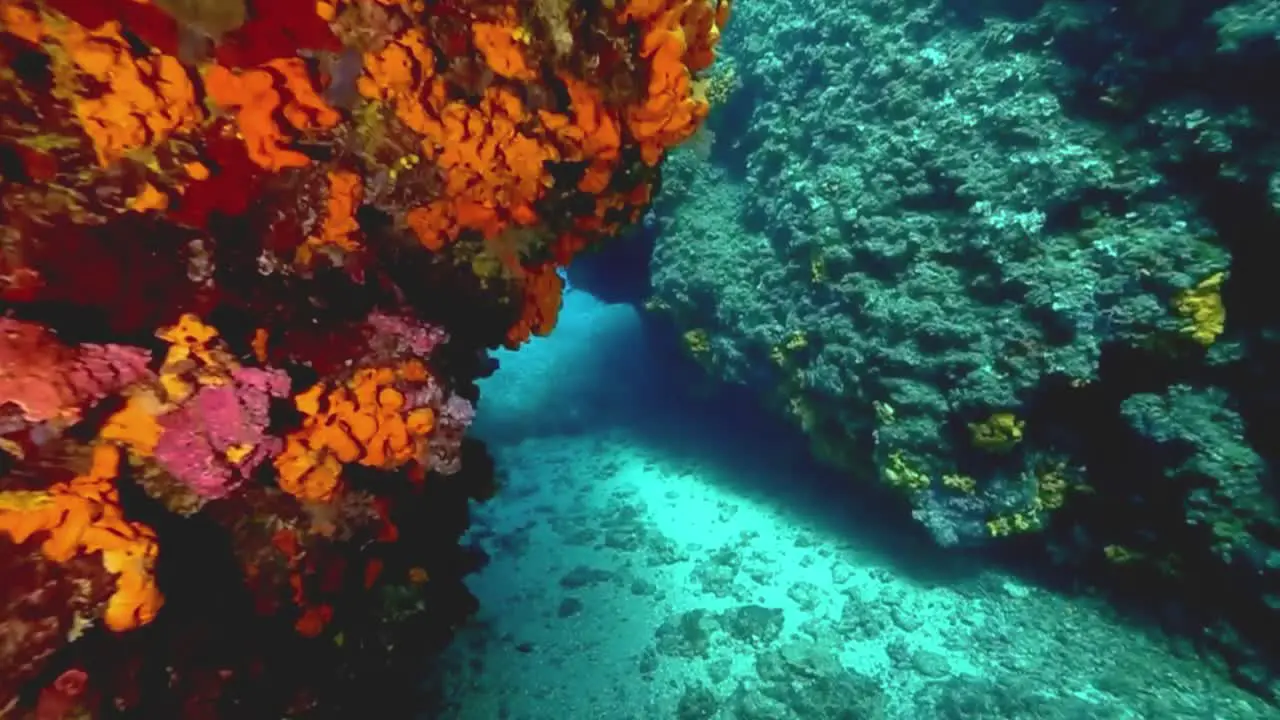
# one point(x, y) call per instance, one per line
point(253, 255)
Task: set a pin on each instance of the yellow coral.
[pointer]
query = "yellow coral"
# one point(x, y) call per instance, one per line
point(1051, 486)
point(195, 354)
point(960, 483)
point(900, 474)
point(698, 341)
point(718, 86)
point(781, 353)
point(1013, 523)
point(998, 433)
point(1202, 306)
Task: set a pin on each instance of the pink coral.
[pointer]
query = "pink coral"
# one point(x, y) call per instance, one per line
point(71, 682)
point(218, 437)
point(452, 420)
point(47, 380)
point(102, 369)
point(399, 335)
point(453, 416)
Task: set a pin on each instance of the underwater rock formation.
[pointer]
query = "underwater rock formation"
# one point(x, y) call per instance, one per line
point(1005, 258)
point(253, 255)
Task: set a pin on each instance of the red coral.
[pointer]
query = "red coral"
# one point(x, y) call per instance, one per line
point(62, 698)
point(147, 22)
point(40, 603)
point(276, 29)
point(229, 187)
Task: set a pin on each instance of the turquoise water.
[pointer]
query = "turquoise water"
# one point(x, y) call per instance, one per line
point(659, 552)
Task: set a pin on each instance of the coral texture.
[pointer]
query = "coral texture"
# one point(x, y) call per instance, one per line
point(1007, 259)
point(253, 255)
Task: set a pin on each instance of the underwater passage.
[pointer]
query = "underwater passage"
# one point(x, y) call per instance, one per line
point(287, 427)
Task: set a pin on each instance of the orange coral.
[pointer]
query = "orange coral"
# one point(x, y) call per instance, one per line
point(491, 167)
point(135, 425)
point(196, 170)
point(403, 74)
point(541, 308)
point(83, 516)
point(491, 151)
point(21, 19)
point(148, 198)
point(281, 86)
point(189, 338)
point(702, 24)
point(308, 473)
point(143, 99)
point(364, 422)
point(611, 210)
point(723, 11)
point(432, 224)
point(492, 155)
point(669, 113)
point(501, 45)
point(592, 134)
point(494, 172)
point(679, 36)
point(595, 129)
point(339, 226)
point(642, 9)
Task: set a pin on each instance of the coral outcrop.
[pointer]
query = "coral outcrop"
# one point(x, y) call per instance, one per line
point(1007, 259)
point(253, 255)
